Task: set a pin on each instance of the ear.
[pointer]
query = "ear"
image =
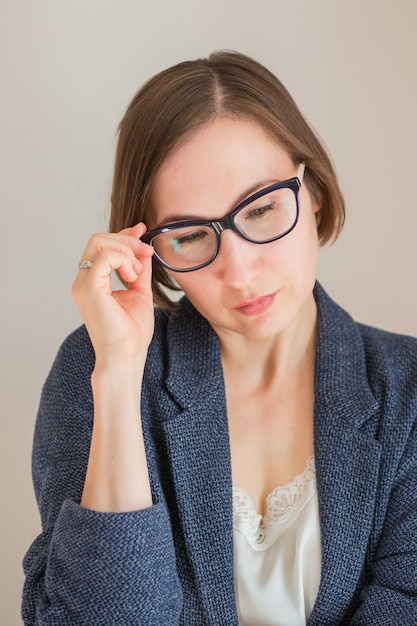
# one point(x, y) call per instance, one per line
point(316, 206)
point(315, 198)
point(313, 191)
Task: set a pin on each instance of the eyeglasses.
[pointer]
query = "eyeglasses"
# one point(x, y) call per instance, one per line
point(265, 216)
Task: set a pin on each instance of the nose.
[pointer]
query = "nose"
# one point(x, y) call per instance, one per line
point(238, 261)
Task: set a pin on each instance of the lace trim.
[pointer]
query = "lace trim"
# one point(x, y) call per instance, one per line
point(283, 505)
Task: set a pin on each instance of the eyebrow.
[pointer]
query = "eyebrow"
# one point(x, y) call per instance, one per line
point(183, 217)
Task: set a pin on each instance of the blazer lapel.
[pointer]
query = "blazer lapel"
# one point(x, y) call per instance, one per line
point(347, 460)
point(197, 440)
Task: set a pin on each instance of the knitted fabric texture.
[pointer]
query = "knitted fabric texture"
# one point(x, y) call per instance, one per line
point(172, 564)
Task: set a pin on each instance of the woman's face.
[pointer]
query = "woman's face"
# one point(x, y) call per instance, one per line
point(250, 289)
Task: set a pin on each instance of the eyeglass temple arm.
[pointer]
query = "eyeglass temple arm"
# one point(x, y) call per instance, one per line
point(300, 172)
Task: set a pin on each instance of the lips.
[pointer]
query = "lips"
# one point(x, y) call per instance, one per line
point(257, 306)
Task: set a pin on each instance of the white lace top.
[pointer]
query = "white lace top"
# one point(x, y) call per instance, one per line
point(278, 557)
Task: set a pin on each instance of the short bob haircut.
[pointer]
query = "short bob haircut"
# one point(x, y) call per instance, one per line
point(176, 102)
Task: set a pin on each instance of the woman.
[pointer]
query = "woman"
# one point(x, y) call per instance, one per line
point(248, 455)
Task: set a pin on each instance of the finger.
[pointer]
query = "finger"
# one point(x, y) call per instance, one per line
point(136, 233)
point(128, 266)
point(137, 230)
point(97, 277)
point(144, 278)
point(124, 244)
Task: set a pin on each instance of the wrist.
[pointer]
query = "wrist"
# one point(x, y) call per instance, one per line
point(121, 375)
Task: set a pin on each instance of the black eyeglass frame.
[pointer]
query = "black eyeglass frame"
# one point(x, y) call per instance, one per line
point(227, 222)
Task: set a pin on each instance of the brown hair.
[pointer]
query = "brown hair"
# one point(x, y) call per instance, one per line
point(177, 101)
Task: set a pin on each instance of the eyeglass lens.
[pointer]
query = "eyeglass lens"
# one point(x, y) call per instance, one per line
point(265, 219)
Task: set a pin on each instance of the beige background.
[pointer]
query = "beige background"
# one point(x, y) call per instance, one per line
point(69, 68)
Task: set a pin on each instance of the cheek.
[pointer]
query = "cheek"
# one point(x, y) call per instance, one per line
point(204, 295)
point(194, 284)
point(296, 255)
point(302, 243)
point(204, 289)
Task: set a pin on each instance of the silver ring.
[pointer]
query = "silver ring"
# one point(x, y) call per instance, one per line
point(85, 265)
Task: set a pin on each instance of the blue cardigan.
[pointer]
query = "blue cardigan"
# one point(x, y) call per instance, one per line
point(173, 563)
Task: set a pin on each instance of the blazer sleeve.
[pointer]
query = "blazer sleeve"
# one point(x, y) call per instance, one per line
point(391, 596)
point(89, 567)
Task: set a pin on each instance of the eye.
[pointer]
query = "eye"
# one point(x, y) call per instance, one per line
point(254, 213)
point(187, 239)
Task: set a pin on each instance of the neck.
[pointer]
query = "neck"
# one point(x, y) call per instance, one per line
point(266, 362)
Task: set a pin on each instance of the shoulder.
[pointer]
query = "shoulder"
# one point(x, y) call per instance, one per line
point(76, 352)
point(361, 355)
point(71, 370)
point(392, 359)
point(76, 349)
point(389, 347)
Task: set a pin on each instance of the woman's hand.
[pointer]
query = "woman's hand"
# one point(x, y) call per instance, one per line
point(120, 323)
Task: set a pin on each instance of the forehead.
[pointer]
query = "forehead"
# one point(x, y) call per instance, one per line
point(212, 169)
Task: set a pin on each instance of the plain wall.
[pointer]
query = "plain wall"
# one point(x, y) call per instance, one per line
point(69, 69)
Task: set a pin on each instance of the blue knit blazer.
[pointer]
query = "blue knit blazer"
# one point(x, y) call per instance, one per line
point(172, 564)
